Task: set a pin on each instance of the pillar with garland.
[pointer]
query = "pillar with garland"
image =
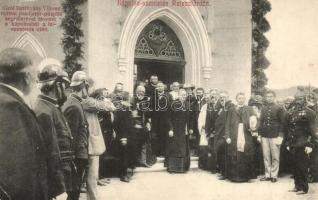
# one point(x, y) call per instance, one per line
point(72, 35)
point(260, 43)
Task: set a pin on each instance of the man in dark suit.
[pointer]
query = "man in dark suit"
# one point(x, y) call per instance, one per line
point(223, 106)
point(23, 166)
point(199, 102)
point(159, 120)
point(52, 80)
point(211, 115)
point(139, 108)
point(196, 102)
point(74, 113)
point(123, 126)
point(151, 87)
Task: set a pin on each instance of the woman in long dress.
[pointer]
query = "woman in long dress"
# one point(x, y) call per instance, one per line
point(177, 149)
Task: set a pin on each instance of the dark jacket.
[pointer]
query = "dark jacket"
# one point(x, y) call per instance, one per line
point(123, 122)
point(142, 109)
point(151, 93)
point(233, 119)
point(23, 166)
point(301, 127)
point(211, 115)
point(195, 106)
point(56, 131)
point(219, 128)
point(74, 114)
point(180, 121)
point(199, 103)
point(106, 124)
point(272, 121)
point(159, 117)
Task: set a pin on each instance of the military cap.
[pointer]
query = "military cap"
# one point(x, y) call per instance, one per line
point(299, 95)
point(78, 78)
point(14, 60)
point(52, 73)
point(64, 75)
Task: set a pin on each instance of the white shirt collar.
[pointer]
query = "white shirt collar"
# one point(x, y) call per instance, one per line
point(17, 91)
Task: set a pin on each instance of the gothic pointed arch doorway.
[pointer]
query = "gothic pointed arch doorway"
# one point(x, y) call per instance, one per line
point(158, 51)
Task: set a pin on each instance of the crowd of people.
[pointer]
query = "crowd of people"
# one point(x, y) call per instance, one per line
point(50, 150)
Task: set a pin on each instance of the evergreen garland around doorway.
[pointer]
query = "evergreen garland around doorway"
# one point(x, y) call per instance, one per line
point(72, 35)
point(259, 45)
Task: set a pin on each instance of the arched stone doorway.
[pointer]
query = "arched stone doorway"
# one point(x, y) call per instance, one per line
point(159, 52)
point(190, 29)
point(31, 44)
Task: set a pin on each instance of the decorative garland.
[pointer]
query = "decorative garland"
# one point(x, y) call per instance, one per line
point(260, 43)
point(71, 40)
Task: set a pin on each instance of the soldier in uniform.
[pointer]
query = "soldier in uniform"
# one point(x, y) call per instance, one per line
point(272, 133)
point(313, 169)
point(285, 157)
point(74, 114)
point(52, 81)
point(301, 128)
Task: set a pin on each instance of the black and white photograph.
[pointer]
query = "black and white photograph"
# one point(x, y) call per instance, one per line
point(158, 99)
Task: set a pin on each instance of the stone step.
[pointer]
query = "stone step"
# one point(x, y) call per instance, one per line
point(158, 166)
point(162, 159)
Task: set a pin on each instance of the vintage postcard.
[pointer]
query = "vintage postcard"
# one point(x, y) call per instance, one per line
point(158, 99)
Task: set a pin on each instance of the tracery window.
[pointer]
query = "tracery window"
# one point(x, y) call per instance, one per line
point(158, 41)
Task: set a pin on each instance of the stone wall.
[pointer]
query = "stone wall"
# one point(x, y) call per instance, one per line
point(231, 45)
point(227, 22)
